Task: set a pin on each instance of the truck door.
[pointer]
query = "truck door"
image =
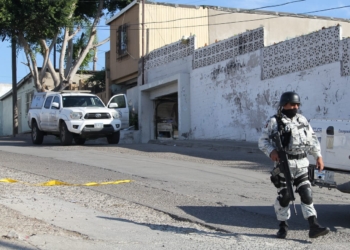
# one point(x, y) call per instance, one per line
point(45, 112)
point(54, 114)
point(122, 109)
point(337, 145)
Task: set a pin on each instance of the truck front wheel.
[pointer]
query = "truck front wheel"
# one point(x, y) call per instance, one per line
point(37, 134)
point(114, 138)
point(66, 137)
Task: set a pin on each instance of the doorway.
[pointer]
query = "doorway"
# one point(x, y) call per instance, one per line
point(166, 117)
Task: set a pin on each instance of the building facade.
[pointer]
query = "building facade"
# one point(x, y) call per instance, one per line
point(228, 91)
point(135, 32)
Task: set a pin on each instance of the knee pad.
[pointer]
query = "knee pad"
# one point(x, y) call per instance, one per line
point(305, 194)
point(284, 197)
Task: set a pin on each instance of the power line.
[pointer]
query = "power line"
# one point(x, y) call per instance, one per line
point(152, 19)
point(103, 27)
point(323, 10)
point(264, 7)
point(227, 13)
point(335, 8)
point(250, 20)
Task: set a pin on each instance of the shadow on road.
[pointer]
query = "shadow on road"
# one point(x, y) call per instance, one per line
point(164, 228)
point(334, 216)
point(185, 230)
point(8, 245)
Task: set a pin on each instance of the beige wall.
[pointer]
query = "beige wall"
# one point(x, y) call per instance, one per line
point(165, 24)
point(128, 65)
point(158, 32)
point(277, 28)
point(168, 24)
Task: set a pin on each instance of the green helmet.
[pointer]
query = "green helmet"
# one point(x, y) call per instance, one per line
point(289, 97)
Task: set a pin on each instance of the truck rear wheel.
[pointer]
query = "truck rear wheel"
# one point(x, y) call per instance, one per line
point(66, 137)
point(114, 138)
point(37, 134)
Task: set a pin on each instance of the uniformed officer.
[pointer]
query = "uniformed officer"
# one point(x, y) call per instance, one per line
point(298, 139)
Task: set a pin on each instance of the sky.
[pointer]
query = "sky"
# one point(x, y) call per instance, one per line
point(293, 6)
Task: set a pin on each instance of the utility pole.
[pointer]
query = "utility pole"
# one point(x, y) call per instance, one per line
point(14, 87)
point(143, 42)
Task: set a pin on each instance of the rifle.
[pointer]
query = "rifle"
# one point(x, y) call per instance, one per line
point(283, 165)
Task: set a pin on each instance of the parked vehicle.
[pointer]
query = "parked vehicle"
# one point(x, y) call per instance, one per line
point(75, 115)
point(334, 136)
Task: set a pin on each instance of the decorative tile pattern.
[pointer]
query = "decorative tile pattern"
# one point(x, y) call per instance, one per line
point(169, 53)
point(301, 53)
point(345, 70)
point(229, 48)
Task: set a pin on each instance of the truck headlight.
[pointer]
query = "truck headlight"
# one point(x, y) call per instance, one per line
point(115, 115)
point(76, 115)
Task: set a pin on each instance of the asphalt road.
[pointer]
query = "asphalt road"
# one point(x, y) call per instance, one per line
point(227, 193)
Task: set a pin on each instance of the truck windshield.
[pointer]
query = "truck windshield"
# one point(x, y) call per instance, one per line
point(81, 101)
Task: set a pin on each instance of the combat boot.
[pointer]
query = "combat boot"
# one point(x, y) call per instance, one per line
point(316, 229)
point(282, 232)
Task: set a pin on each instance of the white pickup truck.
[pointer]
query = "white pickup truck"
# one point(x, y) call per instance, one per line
point(334, 136)
point(77, 115)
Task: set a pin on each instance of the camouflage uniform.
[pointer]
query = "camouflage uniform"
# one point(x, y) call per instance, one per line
point(302, 141)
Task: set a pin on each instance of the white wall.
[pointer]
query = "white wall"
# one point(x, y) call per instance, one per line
point(236, 104)
point(133, 99)
point(4, 88)
point(173, 77)
point(7, 121)
point(233, 98)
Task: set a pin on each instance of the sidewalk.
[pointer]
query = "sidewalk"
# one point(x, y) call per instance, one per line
point(251, 147)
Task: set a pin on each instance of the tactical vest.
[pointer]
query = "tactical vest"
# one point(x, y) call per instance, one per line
point(301, 135)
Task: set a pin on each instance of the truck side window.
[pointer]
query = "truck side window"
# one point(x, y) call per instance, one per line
point(48, 102)
point(120, 100)
point(56, 99)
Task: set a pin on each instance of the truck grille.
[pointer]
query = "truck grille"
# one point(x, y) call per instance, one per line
point(104, 126)
point(97, 116)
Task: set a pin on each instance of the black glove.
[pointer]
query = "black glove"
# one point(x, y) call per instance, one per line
point(275, 179)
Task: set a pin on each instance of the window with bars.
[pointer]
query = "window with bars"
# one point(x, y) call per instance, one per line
point(122, 41)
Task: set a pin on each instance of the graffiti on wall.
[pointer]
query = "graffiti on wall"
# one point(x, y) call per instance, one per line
point(229, 48)
point(230, 68)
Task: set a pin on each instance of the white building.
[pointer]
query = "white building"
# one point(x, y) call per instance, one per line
point(228, 90)
point(4, 87)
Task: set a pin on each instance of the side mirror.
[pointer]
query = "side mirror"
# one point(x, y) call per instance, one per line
point(113, 105)
point(55, 105)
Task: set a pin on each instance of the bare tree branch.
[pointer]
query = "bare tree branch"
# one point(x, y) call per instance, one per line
point(53, 73)
point(101, 43)
point(31, 61)
point(46, 54)
point(89, 44)
point(62, 55)
point(74, 34)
